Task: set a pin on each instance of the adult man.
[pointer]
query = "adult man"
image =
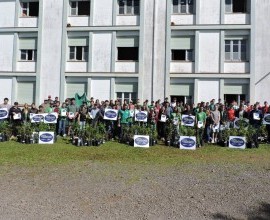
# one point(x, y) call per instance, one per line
point(7, 106)
point(123, 120)
point(15, 114)
point(200, 120)
point(255, 119)
point(215, 115)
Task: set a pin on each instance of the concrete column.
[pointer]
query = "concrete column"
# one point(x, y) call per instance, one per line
point(221, 90)
point(112, 88)
point(15, 52)
point(197, 51)
point(196, 90)
point(222, 52)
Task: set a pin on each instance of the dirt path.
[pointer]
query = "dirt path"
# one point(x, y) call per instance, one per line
point(118, 191)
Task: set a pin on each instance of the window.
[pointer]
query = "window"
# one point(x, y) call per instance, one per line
point(28, 55)
point(184, 55)
point(182, 48)
point(183, 6)
point(121, 96)
point(128, 53)
point(30, 9)
point(78, 53)
point(79, 8)
point(236, 6)
point(129, 7)
point(236, 50)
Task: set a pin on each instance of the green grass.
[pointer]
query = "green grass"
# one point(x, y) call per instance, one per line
point(16, 154)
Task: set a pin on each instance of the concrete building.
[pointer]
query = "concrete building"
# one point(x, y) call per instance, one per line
point(194, 50)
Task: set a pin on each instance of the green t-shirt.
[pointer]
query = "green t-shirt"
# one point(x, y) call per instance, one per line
point(124, 116)
point(201, 116)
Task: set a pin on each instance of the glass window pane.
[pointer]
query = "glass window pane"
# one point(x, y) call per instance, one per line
point(73, 8)
point(183, 9)
point(235, 56)
point(189, 55)
point(79, 53)
point(129, 6)
point(23, 54)
point(30, 55)
point(243, 56)
point(227, 47)
point(86, 53)
point(227, 56)
point(235, 47)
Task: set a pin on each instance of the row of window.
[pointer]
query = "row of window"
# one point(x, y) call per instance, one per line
point(132, 7)
point(235, 50)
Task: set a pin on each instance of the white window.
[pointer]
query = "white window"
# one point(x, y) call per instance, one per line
point(129, 7)
point(80, 8)
point(236, 50)
point(182, 6)
point(30, 9)
point(236, 6)
point(28, 55)
point(78, 53)
point(121, 96)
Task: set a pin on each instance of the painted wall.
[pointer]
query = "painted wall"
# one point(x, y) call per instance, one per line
point(100, 88)
point(262, 52)
point(6, 89)
point(102, 12)
point(101, 52)
point(209, 44)
point(7, 13)
point(51, 48)
point(209, 12)
point(207, 90)
point(6, 52)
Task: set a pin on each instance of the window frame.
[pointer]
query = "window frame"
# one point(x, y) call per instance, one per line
point(130, 97)
point(189, 8)
point(187, 55)
point(133, 6)
point(240, 53)
point(84, 55)
point(26, 51)
point(77, 8)
point(25, 7)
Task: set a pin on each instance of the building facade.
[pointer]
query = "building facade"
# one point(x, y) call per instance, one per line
point(194, 50)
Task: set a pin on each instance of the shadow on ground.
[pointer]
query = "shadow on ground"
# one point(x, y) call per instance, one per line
point(261, 213)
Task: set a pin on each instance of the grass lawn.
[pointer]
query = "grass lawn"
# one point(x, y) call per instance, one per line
point(16, 154)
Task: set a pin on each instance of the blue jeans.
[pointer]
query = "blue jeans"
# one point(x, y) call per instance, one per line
point(62, 127)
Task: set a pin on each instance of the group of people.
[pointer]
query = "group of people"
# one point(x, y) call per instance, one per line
point(209, 116)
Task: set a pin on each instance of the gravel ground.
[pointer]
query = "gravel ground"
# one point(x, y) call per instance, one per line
point(97, 190)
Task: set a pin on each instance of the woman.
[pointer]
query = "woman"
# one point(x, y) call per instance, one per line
point(62, 119)
point(176, 118)
point(162, 118)
point(208, 125)
point(25, 113)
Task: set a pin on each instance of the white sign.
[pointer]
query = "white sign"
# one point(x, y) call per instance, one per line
point(71, 115)
point(36, 118)
point(266, 119)
point(256, 116)
point(50, 118)
point(187, 143)
point(188, 120)
point(200, 124)
point(237, 142)
point(111, 114)
point(163, 118)
point(176, 121)
point(17, 116)
point(241, 122)
point(63, 112)
point(141, 116)
point(3, 113)
point(46, 137)
point(141, 141)
point(132, 113)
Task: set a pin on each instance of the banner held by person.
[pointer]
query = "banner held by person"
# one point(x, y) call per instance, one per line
point(110, 114)
point(141, 116)
point(3, 113)
point(188, 120)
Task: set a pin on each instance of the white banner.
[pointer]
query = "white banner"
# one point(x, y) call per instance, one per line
point(50, 118)
point(266, 119)
point(141, 116)
point(141, 141)
point(237, 142)
point(36, 118)
point(187, 143)
point(46, 138)
point(3, 113)
point(188, 120)
point(111, 114)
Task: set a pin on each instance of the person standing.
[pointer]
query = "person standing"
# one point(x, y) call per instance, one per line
point(200, 121)
point(255, 120)
point(123, 120)
point(15, 114)
point(215, 115)
point(62, 119)
point(6, 106)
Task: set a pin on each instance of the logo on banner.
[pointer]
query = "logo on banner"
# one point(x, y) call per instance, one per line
point(237, 142)
point(37, 118)
point(266, 119)
point(141, 116)
point(3, 113)
point(141, 141)
point(241, 123)
point(188, 120)
point(110, 114)
point(46, 137)
point(187, 142)
point(50, 118)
